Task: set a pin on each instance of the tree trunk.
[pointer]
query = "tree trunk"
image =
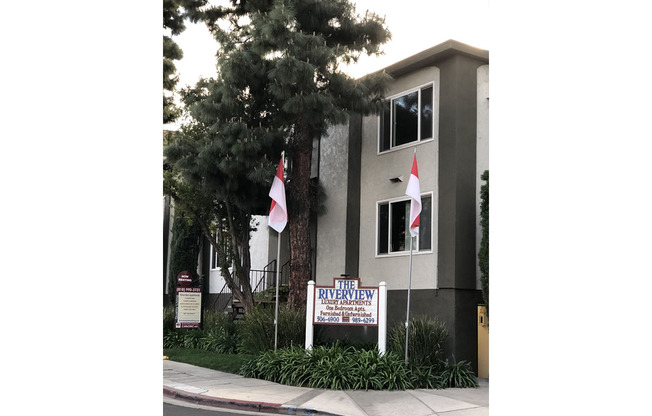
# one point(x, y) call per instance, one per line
point(299, 221)
point(234, 282)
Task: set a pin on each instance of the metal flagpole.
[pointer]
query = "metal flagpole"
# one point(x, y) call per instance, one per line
point(407, 321)
point(278, 269)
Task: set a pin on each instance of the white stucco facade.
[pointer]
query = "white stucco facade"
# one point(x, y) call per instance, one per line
point(482, 150)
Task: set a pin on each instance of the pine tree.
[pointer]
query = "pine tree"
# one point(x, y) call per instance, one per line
point(184, 250)
point(175, 13)
point(221, 165)
point(290, 52)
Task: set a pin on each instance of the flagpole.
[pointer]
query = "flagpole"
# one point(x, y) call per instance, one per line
point(407, 321)
point(414, 192)
point(278, 251)
point(278, 269)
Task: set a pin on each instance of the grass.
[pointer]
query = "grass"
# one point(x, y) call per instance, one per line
point(229, 363)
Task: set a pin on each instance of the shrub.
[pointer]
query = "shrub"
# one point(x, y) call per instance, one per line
point(459, 374)
point(257, 329)
point(168, 318)
point(426, 343)
point(335, 367)
point(270, 293)
point(425, 377)
point(219, 333)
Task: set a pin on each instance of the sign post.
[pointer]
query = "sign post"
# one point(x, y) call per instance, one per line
point(310, 307)
point(347, 303)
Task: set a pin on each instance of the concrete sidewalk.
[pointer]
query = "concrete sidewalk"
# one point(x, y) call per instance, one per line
point(215, 388)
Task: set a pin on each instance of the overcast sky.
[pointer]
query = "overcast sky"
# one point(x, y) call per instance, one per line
point(415, 25)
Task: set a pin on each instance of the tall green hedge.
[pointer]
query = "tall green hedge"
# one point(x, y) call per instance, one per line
point(184, 250)
point(483, 255)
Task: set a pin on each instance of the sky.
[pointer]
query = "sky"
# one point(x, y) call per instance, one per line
point(466, 21)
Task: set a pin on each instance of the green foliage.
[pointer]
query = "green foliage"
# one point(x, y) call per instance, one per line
point(483, 254)
point(175, 12)
point(168, 318)
point(230, 363)
point(218, 334)
point(460, 375)
point(184, 250)
point(257, 329)
point(335, 367)
point(279, 81)
point(426, 343)
point(269, 294)
point(426, 377)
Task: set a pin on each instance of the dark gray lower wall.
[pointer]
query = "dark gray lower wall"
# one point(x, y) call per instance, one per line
point(456, 308)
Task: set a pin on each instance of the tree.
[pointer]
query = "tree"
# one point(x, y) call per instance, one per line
point(292, 51)
point(483, 255)
point(184, 250)
point(220, 173)
point(175, 12)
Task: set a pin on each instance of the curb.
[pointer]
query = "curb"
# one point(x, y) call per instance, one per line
point(252, 406)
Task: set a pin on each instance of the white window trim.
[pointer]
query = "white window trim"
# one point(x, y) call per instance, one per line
point(406, 252)
point(435, 119)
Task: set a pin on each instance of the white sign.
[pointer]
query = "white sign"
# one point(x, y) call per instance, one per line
point(346, 303)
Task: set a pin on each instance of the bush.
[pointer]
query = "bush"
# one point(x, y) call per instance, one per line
point(459, 374)
point(219, 333)
point(257, 329)
point(335, 367)
point(168, 318)
point(269, 294)
point(426, 344)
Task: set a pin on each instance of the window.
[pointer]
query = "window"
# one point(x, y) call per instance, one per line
point(393, 226)
point(407, 118)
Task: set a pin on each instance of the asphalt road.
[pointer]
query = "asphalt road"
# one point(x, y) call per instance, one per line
point(178, 408)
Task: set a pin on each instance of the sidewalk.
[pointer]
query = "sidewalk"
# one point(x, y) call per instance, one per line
point(215, 388)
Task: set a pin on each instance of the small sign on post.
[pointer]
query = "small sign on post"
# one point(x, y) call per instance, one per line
point(187, 311)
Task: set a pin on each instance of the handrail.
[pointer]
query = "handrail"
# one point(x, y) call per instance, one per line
point(261, 277)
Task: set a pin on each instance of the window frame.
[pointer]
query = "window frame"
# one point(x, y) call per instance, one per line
point(416, 250)
point(434, 122)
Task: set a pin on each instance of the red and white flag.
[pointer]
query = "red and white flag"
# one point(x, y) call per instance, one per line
point(278, 212)
point(414, 192)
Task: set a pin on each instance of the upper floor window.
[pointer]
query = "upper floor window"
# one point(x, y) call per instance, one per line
point(407, 118)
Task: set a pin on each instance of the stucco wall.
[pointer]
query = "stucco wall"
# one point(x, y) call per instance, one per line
point(376, 171)
point(331, 228)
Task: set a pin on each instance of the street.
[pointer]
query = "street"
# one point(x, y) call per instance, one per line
point(179, 408)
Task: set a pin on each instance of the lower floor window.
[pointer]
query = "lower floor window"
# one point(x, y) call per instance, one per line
point(393, 226)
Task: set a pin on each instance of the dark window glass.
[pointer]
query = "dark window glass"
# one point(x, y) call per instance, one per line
point(393, 226)
point(383, 228)
point(385, 128)
point(425, 227)
point(406, 116)
point(426, 113)
point(400, 234)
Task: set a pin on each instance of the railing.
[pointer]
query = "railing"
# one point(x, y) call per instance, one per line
point(263, 280)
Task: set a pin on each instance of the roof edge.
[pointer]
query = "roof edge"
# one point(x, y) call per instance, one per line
point(435, 54)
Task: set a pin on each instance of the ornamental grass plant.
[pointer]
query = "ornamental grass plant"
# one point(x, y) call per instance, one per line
point(334, 367)
point(218, 333)
point(256, 331)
